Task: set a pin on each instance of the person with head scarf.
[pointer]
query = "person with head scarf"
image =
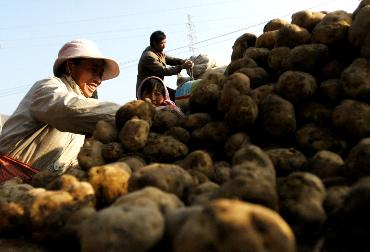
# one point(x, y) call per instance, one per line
point(48, 128)
point(155, 62)
point(154, 90)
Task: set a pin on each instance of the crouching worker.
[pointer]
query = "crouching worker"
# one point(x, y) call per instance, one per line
point(153, 89)
point(48, 128)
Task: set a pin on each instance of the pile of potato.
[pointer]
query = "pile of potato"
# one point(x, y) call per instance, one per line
point(274, 155)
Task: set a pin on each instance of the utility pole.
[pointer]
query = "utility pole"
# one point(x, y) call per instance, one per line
point(191, 37)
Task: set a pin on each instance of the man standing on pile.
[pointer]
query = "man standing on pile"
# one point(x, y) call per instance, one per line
point(154, 62)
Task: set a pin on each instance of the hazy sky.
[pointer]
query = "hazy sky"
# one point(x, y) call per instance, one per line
point(32, 32)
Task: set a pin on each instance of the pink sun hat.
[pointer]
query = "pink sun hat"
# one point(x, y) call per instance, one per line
point(83, 48)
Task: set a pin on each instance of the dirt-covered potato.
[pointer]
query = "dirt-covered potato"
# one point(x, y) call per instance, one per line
point(109, 181)
point(348, 228)
point(239, 63)
point(352, 118)
point(212, 135)
point(204, 98)
point(222, 172)
point(136, 229)
point(313, 112)
point(165, 119)
point(307, 19)
point(242, 114)
point(112, 151)
point(196, 120)
point(259, 93)
point(241, 44)
point(360, 25)
point(200, 194)
point(357, 163)
point(276, 57)
point(42, 178)
point(250, 188)
point(164, 148)
point(334, 198)
point(324, 164)
point(135, 109)
point(355, 79)
point(296, 86)
point(105, 132)
point(286, 160)
point(166, 202)
point(134, 134)
point(235, 85)
point(232, 225)
point(274, 24)
point(199, 161)
point(235, 142)
point(277, 117)
point(258, 54)
point(258, 76)
point(313, 138)
point(332, 69)
point(135, 162)
point(251, 159)
point(170, 178)
point(331, 92)
point(292, 35)
point(267, 39)
point(178, 133)
point(332, 29)
point(90, 154)
point(306, 58)
point(301, 197)
point(82, 192)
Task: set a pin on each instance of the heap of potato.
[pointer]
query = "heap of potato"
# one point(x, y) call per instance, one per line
point(274, 155)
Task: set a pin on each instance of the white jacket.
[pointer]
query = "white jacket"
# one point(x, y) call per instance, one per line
point(48, 128)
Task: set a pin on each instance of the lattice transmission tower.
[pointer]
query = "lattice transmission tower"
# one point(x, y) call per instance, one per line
point(191, 37)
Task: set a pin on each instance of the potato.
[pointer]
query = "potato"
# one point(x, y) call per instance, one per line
point(164, 148)
point(200, 194)
point(332, 29)
point(258, 76)
point(306, 58)
point(90, 154)
point(204, 98)
point(133, 228)
point(360, 25)
point(105, 132)
point(134, 134)
point(232, 225)
point(324, 164)
point(199, 161)
point(222, 172)
point(286, 160)
point(274, 24)
point(296, 86)
point(250, 188)
point(307, 19)
point(242, 114)
point(166, 202)
point(178, 133)
point(352, 118)
point(312, 138)
point(277, 117)
point(357, 163)
point(241, 44)
point(167, 177)
point(258, 54)
point(235, 142)
point(267, 39)
point(135, 109)
point(355, 79)
point(235, 84)
point(239, 63)
point(112, 151)
point(196, 120)
point(314, 112)
point(301, 197)
point(292, 35)
point(165, 119)
point(276, 57)
point(109, 181)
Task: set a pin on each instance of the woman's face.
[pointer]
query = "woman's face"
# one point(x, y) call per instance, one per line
point(156, 97)
point(87, 74)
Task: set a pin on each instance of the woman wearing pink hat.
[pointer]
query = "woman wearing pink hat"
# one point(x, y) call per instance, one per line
point(47, 129)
